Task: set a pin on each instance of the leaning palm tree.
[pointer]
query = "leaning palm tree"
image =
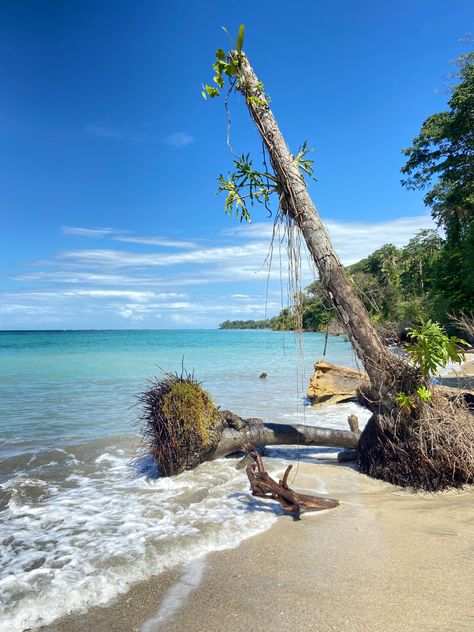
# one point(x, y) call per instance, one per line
point(392, 427)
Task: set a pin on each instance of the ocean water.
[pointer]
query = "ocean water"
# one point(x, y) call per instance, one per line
point(78, 523)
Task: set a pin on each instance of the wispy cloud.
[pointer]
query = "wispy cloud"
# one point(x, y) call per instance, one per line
point(90, 233)
point(246, 260)
point(95, 278)
point(156, 241)
point(102, 131)
point(229, 279)
point(109, 258)
point(352, 240)
point(132, 295)
point(117, 234)
point(179, 139)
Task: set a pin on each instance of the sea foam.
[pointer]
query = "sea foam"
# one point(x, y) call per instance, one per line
point(78, 526)
point(69, 547)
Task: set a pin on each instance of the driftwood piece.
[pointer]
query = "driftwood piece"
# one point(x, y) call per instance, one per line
point(353, 421)
point(262, 485)
point(345, 456)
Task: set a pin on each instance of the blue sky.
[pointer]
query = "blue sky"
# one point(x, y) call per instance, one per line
point(109, 155)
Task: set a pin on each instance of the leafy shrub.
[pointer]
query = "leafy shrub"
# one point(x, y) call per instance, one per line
point(433, 348)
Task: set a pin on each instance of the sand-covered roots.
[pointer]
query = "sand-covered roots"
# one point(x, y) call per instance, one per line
point(180, 422)
point(431, 449)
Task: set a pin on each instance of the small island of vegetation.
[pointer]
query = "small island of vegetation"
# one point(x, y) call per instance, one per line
point(245, 324)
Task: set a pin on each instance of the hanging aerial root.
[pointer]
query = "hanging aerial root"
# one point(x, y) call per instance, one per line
point(263, 486)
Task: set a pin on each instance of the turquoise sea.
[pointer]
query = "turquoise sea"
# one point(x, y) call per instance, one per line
point(78, 524)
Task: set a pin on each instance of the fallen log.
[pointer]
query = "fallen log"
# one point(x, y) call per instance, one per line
point(261, 434)
point(183, 427)
point(262, 485)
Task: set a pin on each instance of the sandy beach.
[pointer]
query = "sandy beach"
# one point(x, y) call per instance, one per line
point(461, 376)
point(385, 559)
point(237, 317)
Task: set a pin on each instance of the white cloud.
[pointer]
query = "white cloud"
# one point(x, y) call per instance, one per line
point(179, 139)
point(166, 298)
point(128, 312)
point(131, 295)
point(117, 234)
point(102, 131)
point(259, 230)
point(187, 320)
point(76, 277)
point(108, 258)
point(156, 241)
point(91, 233)
point(352, 241)
point(109, 285)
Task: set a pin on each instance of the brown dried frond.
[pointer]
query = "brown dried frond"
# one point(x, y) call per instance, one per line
point(395, 374)
point(388, 332)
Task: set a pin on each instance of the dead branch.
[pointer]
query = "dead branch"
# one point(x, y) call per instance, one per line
point(465, 324)
point(263, 486)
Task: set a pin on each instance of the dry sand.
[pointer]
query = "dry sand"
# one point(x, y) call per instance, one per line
point(385, 560)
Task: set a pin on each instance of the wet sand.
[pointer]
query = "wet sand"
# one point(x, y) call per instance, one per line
point(385, 560)
point(467, 368)
point(462, 377)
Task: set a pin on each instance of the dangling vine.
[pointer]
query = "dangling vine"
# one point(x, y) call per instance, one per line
point(245, 185)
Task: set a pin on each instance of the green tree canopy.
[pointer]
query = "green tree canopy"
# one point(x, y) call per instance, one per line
point(443, 153)
point(442, 158)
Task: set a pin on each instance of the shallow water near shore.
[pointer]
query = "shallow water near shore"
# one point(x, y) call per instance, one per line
point(79, 525)
point(386, 560)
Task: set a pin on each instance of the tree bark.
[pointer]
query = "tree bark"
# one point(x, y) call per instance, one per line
point(261, 435)
point(296, 202)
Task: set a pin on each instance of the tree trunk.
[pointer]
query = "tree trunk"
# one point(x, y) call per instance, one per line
point(431, 447)
point(296, 202)
point(261, 435)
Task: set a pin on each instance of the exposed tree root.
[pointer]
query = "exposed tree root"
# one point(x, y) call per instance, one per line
point(430, 449)
point(180, 422)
